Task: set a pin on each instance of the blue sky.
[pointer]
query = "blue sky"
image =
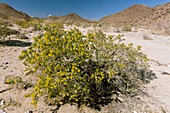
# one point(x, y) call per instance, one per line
point(90, 9)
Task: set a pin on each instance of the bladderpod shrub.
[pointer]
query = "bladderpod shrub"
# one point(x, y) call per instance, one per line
point(85, 69)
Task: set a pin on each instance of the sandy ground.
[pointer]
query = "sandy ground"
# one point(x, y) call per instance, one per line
point(157, 49)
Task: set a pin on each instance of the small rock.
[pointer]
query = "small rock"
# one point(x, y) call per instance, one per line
point(40, 112)
point(9, 100)
point(29, 112)
point(2, 102)
point(165, 73)
point(114, 96)
point(120, 99)
point(6, 63)
point(165, 65)
point(2, 111)
point(22, 36)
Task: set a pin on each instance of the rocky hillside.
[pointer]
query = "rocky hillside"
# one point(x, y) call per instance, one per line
point(70, 18)
point(159, 7)
point(7, 12)
point(159, 19)
point(129, 15)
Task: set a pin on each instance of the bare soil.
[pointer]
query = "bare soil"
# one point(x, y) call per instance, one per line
point(154, 99)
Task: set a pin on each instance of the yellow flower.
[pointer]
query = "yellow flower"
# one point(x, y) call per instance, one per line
point(50, 55)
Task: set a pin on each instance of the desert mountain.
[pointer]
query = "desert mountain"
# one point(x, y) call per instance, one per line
point(129, 15)
point(159, 19)
point(156, 18)
point(7, 12)
point(159, 7)
point(70, 18)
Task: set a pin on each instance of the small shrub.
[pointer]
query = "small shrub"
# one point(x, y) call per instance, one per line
point(69, 23)
point(23, 23)
point(127, 28)
point(37, 24)
point(5, 23)
point(53, 27)
point(73, 68)
point(4, 31)
point(9, 79)
point(78, 24)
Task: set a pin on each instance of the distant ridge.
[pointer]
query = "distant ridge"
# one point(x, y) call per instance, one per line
point(129, 15)
point(7, 12)
point(70, 18)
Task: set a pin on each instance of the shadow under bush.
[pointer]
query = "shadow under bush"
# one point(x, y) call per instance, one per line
point(15, 43)
point(85, 69)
